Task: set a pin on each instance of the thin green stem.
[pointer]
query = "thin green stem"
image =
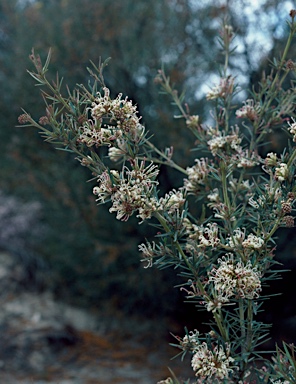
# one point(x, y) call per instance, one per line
point(250, 325)
point(218, 316)
point(224, 185)
point(168, 161)
point(243, 330)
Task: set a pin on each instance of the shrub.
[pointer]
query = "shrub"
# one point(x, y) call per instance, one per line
point(217, 231)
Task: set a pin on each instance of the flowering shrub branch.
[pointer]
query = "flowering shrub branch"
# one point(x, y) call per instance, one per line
point(227, 254)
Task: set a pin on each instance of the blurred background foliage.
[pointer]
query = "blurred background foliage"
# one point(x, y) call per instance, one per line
point(85, 255)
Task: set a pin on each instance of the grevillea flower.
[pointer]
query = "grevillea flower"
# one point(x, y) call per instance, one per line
point(282, 172)
point(220, 140)
point(249, 110)
point(234, 278)
point(172, 201)
point(130, 191)
point(209, 235)
point(252, 241)
point(111, 120)
point(224, 89)
point(197, 175)
point(292, 129)
point(214, 363)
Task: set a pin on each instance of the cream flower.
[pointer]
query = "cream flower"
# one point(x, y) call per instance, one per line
point(253, 242)
point(197, 175)
point(282, 172)
point(292, 129)
point(233, 278)
point(211, 363)
point(250, 110)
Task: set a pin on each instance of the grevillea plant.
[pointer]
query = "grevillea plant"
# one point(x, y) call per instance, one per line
point(225, 253)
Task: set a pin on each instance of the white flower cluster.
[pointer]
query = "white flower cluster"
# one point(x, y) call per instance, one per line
point(209, 235)
point(246, 159)
point(148, 252)
point(120, 111)
point(166, 381)
point(122, 117)
point(219, 141)
point(213, 196)
point(292, 129)
point(190, 341)
point(233, 278)
point(108, 182)
point(250, 110)
point(224, 88)
point(253, 242)
point(239, 239)
point(271, 159)
point(197, 175)
point(282, 172)
point(172, 201)
point(116, 153)
point(129, 192)
point(212, 363)
point(93, 136)
point(257, 203)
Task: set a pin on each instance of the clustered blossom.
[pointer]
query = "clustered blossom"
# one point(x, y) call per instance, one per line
point(214, 195)
point(249, 110)
point(215, 304)
point(222, 212)
point(192, 121)
point(224, 88)
point(107, 185)
point(211, 363)
point(122, 117)
point(209, 235)
point(257, 203)
point(286, 206)
point(166, 381)
point(282, 172)
point(271, 159)
point(116, 153)
point(237, 238)
point(233, 278)
point(129, 192)
point(254, 242)
point(220, 140)
point(197, 175)
point(292, 129)
point(190, 341)
point(246, 159)
point(91, 135)
point(119, 111)
point(172, 201)
point(148, 252)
